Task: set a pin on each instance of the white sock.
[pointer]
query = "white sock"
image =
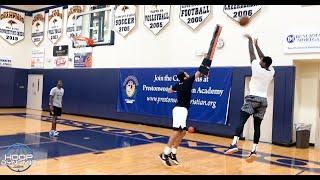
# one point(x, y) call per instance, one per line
point(167, 150)
point(174, 151)
point(254, 148)
point(235, 140)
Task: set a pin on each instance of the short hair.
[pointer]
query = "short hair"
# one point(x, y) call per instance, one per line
point(181, 76)
point(58, 81)
point(267, 60)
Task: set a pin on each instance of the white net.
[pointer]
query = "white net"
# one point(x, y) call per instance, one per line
point(81, 45)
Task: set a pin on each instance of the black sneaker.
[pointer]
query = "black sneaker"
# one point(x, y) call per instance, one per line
point(165, 159)
point(252, 157)
point(232, 149)
point(173, 158)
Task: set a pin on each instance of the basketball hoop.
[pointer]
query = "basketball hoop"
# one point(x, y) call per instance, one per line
point(83, 50)
point(81, 41)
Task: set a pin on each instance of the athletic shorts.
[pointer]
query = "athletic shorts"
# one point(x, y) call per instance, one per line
point(56, 111)
point(179, 115)
point(255, 106)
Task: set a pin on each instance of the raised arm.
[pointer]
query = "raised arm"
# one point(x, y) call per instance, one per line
point(251, 50)
point(260, 53)
point(206, 63)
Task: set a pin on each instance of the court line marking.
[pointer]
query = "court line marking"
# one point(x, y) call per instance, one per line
point(300, 172)
point(30, 144)
point(64, 142)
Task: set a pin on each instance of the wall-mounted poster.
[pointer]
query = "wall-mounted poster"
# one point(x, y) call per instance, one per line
point(302, 41)
point(237, 11)
point(83, 60)
point(124, 19)
point(37, 58)
point(5, 61)
point(11, 25)
point(60, 61)
point(61, 50)
point(37, 27)
point(156, 17)
point(194, 15)
point(74, 26)
point(55, 24)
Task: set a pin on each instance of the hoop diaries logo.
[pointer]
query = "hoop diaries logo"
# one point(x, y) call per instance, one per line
point(290, 39)
point(130, 84)
point(18, 157)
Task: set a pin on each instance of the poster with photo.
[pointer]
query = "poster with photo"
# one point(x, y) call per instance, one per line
point(83, 60)
point(37, 58)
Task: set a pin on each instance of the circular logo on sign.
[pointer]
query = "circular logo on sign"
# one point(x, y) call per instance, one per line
point(130, 84)
point(290, 39)
point(17, 157)
point(130, 88)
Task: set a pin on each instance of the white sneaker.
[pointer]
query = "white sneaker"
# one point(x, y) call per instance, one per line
point(55, 133)
point(51, 133)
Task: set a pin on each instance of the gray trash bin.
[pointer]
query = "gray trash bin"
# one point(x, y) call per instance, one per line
point(303, 135)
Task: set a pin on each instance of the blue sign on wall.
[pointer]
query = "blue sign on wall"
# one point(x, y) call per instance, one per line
point(144, 91)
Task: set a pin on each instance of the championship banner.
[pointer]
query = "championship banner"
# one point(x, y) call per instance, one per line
point(73, 26)
point(237, 11)
point(194, 15)
point(156, 17)
point(124, 19)
point(144, 92)
point(37, 27)
point(5, 61)
point(11, 25)
point(55, 24)
point(37, 58)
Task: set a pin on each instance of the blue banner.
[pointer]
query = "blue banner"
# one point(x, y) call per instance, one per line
point(144, 91)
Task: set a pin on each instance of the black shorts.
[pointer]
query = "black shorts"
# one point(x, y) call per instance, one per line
point(56, 111)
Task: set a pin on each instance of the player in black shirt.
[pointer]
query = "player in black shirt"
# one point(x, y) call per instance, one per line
point(180, 111)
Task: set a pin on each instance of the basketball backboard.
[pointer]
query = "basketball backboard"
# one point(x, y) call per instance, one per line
point(96, 22)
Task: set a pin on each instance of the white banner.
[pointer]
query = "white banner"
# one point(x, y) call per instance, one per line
point(38, 27)
point(302, 41)
point(237, 11)
point(194, 15)
point(156, 17)
point(37, 58)
point(5, 61)
point(124, 19)
point(74, 26)
point(55, 24)
point(11, 25)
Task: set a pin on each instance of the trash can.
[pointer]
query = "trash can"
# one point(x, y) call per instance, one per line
point(302, 135)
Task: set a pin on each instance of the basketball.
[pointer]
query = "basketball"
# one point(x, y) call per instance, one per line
point(244, 20)
point(191, 129)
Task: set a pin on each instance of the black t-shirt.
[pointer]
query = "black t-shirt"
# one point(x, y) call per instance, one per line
point(184, 92)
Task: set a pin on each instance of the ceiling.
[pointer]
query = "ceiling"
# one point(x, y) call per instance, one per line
point(29, 7)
